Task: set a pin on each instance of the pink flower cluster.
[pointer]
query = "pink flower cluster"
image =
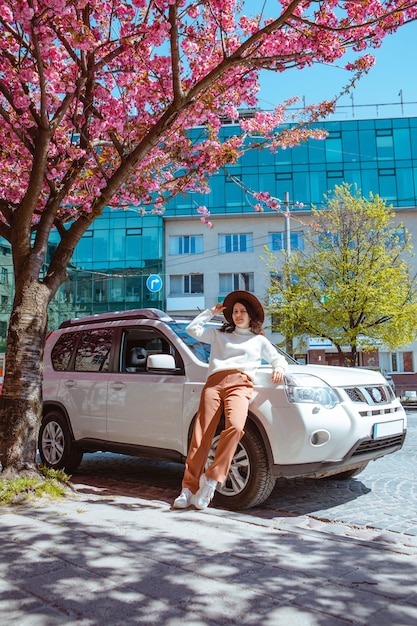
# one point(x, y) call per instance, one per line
point(267, 199)
point(121, 102)
point(205, 213)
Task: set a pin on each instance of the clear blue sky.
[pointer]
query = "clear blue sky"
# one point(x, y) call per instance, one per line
point(395, 71)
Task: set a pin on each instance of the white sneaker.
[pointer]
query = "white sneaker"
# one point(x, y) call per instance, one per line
point(205, 494)
point(184, 500)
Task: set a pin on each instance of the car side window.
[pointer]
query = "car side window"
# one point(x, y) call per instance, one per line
point(93, 351)
point(62, 351)
point(138, 344)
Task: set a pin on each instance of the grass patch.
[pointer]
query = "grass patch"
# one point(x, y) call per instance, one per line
point(51, 483)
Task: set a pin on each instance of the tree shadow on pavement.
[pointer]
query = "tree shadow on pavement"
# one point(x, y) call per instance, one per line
point(134, 563)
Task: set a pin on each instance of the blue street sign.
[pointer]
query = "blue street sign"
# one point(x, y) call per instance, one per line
point(154, 283)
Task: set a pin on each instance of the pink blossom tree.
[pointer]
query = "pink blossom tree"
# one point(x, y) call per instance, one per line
point(96, 101)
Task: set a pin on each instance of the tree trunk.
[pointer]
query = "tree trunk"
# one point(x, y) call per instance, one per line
point(350, 359)
point(21, 400)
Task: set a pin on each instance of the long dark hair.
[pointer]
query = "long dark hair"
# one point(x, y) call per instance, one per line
point(255, 324)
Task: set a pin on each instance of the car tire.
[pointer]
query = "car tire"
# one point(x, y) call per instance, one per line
point(249, 481)
point(56, 444)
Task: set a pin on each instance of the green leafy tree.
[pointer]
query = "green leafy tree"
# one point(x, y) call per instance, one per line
point(352, 283)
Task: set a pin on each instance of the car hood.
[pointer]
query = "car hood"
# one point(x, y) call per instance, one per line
point(332, 375)
point(340, 376)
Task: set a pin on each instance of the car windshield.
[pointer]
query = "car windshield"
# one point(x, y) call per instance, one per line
point(202, 350)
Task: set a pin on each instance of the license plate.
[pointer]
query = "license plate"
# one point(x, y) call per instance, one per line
point(388, 428)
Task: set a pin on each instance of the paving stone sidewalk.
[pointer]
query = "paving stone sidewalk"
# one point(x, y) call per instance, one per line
point(101, 558)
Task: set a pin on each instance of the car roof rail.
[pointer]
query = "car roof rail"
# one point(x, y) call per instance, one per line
point(131, 314)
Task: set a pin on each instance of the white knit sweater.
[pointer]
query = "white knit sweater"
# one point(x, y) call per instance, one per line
point(240, 350)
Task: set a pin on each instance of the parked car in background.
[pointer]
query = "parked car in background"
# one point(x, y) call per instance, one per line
point(389, 380)
point(130, 383)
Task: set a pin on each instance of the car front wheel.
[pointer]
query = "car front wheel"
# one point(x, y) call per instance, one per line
point(249, 481)
point(56, 445)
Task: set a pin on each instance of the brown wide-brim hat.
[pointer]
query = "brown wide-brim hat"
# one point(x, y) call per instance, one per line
point(239, 296)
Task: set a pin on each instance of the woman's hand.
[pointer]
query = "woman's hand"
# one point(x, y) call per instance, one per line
point(277, 376)
point(217, 308)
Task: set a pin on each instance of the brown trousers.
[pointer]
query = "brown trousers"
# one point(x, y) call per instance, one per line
point(229, 392)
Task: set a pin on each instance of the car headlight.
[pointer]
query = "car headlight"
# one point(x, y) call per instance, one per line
point(309, 389)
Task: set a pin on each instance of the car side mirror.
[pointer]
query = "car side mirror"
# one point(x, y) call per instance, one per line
point(160, 362)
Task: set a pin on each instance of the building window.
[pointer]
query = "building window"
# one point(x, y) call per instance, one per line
point(84, 249)
point(402, 362)
point(186, 244)
point(408, 361)
point(116, 291)
point(384, 132)
point(186, 283)
point(100, 290)
point(239, 242)
point(133, 243)
point(4, 276)
point(385, 144)
point(132, 286)
point(277, 241)
point(231, 282)
point(333, 147)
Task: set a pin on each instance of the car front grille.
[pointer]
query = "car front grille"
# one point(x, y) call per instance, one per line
point(371, 394)
point(355, 394)
point(379, 445)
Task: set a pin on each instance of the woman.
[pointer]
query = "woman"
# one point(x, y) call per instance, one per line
point(237, 350)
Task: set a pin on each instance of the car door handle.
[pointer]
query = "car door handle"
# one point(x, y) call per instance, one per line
point(70, 383)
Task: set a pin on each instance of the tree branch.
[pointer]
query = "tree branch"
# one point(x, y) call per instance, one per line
point(175, 54)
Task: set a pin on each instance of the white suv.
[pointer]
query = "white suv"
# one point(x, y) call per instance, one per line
point(130, 383)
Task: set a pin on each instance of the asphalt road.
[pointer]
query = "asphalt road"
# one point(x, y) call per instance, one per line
point(383, 496)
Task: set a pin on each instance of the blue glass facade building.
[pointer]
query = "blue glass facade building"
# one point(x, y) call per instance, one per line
point(111, 264)
point(378, 155)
